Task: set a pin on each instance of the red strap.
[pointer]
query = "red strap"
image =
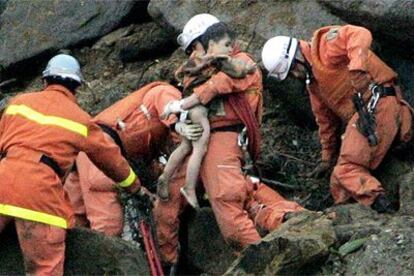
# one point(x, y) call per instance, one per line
point(244, 111)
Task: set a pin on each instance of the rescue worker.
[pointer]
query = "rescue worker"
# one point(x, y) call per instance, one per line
point(336, 66)
point(240, 203)
point(41, 135)
point(134, 124)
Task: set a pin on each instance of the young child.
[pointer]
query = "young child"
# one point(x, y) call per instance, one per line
point(198, 69)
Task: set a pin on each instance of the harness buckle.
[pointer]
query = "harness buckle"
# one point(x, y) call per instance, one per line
point(376, 95)
point(242, 139)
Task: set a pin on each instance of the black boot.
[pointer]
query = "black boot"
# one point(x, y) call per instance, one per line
point(383, 204)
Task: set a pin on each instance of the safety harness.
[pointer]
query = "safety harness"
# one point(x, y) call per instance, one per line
point(366, 122)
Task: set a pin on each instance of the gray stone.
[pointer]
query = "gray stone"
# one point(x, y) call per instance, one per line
point(87, 253)
point(29, 28)
point(394, 19)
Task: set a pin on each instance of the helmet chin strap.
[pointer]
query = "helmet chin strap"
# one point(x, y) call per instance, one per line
point(308, 70)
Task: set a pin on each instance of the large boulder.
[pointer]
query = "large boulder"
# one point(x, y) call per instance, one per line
point(87, 253)
point(254, 23)
point(296, 246)
point(46, 26)
point(394, 19)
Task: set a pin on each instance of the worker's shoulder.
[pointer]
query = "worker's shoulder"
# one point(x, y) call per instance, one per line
point(243, 56)
point(163, 88)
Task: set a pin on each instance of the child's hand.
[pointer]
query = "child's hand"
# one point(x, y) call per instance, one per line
point(170, 108)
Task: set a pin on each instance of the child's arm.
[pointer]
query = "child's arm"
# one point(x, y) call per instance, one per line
point(235, 68)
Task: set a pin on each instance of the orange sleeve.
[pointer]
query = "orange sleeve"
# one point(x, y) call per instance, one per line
point(159, 97)
point(221, 83)
point(329, 126)
point(107, 156)
point(167, 95)
point(357, 42)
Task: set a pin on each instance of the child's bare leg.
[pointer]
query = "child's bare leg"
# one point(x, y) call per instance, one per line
point(198, 114)
point(176, 159)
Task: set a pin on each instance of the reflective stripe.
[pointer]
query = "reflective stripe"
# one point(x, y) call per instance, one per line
point(42, 119)
point(27, 214)
point(129, 180)
point(144, 110)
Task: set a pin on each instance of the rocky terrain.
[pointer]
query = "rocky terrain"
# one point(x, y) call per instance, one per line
point(123, 45)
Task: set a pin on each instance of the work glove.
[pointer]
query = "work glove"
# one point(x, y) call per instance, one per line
point(190, 131)
point(140, 191)
point(360, 80)
point(321, 170)
point(172, 107)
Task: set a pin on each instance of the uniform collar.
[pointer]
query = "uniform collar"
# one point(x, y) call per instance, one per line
point(61, 89)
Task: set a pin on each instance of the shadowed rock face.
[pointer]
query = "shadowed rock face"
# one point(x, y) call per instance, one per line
point(87, 252)
point(39, 26)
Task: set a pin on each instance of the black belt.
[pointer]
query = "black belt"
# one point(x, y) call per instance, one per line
point(49, 161)
point(52, 164)
point(384, 91)
point(234, 128)
point(114, 135)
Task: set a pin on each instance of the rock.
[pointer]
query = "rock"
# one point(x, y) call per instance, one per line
point(291, 249)
point(255, 22)
point(354, 221)
point(46, 26)
point(406, 193)
point(207, 251)
point(87, 252)
point(138, 42)
point(394, 19)
point(396, 176)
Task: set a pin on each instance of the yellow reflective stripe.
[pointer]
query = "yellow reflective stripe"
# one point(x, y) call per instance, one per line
point(42, 119)
point(129, 180)
point(27, 214)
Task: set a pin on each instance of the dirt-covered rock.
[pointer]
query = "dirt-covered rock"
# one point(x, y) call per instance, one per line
point(87, 253)
point(303, 240)
point(40, 26)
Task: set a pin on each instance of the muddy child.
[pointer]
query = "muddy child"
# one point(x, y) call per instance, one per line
point(201, 66)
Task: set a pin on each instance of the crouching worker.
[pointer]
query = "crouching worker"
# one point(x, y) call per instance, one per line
point(134, 124)
point(198, 69)
point(239, 204)
point(347, 84)
point(41, 135)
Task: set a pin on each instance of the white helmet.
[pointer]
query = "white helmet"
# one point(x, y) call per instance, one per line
point(278, 54)
point(64, 66)
point(195, 27)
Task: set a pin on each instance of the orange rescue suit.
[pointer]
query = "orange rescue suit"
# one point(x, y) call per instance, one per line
point(238, 204)
point(143, 134)
point(49, 123)
point(334, 54)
